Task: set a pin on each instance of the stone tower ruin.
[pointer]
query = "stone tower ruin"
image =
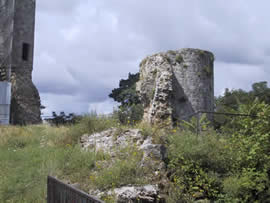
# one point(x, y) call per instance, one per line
point(17, 30)
point(176, 84)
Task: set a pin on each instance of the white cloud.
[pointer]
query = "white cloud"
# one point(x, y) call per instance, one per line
point(105, 107)
point(71, 34)
point(83, 48)
point(237, 76)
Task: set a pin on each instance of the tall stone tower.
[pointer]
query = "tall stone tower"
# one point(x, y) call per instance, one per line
point(176, 84)
point(25, 100)
point(6, 38)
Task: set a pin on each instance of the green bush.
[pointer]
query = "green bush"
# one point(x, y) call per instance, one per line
point(224, 167)
point(197, 163)
point(130, 115)
point(179, 58)
point(220, 167)
point(252, 142)
point(249, 186)
point(122, 171)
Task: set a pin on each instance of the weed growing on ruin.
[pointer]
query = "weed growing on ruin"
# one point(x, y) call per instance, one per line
point(208, 70)
point(172, 52)
point(122, 171)
point(88, 125)
point(179, 59)
point(143, 62)
point(212, 58)
point(153, 93)
point(199, 74)
point(201, 52)
point(167, 58)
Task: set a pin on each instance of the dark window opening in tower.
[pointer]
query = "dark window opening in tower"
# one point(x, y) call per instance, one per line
point(25, 51)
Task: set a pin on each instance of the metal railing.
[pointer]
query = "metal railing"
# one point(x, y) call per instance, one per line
point(59, 192)
point(211, 117)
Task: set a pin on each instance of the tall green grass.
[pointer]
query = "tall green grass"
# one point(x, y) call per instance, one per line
point(28, 154)
point(207, 166)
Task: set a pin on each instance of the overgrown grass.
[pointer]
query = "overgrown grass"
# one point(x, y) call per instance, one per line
point(29, 154)
point(211, 165)
point(124, 170)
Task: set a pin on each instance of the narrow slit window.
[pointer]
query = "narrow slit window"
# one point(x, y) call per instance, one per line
point(25, 51)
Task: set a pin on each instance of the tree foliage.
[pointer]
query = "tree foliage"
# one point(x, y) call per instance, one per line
point(224, 167)
point(126, 92)
point(63, 119)
point(231, 101)
point(130, 109)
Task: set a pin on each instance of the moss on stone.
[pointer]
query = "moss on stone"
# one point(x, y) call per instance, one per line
point(154, 72)
point(143, 62)
point(167, 58)
point(208, 70)
point(153, 93)
point(212, 58)
point(179, 58)
point(199, 74)
point(172, 52)
point(201, 52)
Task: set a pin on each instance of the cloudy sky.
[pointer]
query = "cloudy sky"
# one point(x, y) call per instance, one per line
point(84, 47)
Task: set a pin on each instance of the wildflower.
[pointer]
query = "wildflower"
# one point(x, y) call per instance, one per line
point(174, 131)
point(92, 178)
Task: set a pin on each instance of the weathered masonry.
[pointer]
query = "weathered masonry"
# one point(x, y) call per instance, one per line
point(17, 26)
point(175, 84)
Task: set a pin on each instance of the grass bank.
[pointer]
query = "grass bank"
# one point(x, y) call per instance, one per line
point(220, 167)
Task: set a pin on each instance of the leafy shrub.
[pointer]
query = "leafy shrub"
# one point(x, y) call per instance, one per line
point(123, 171)
point(130, 115)
point(229, 167)
point(252, 142)
point(179, 58)
point(249, 186)
point(197, 163)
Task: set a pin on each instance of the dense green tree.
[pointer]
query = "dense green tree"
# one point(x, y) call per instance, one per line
point(63, 119)
point(130, 109)
point(261, 91)
point(232, 99)
point(126, 92)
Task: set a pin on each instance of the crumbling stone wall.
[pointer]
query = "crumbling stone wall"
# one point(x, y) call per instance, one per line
point(25, 100)
point(175, 84)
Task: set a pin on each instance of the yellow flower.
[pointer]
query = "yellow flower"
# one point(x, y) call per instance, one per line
point(92, 178)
